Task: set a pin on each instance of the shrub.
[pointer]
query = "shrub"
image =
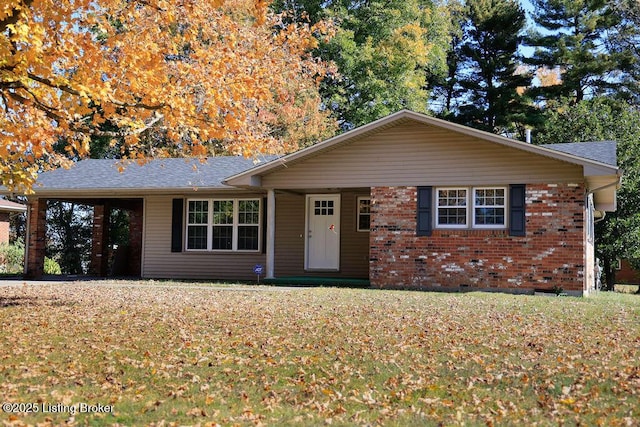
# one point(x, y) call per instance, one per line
point(51, 266)
point(12, 257)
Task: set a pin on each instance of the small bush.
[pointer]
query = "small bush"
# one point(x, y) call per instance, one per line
point(12, 257)
point(51, 266)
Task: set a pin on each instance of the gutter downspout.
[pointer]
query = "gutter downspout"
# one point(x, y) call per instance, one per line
point(604, 214)
point(617, 183)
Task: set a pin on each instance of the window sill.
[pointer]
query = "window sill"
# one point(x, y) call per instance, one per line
point(219, 251)
point(451, 232)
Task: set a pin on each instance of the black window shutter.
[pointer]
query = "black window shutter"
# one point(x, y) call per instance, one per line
point(176, 225)
point(424, 221)
point(517, 204)
point(264, 225)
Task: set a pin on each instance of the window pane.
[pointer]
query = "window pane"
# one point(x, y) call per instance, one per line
point(223, 211)
point(197, 237)
point(489, 216)
point(364, 206)
point(364, 222)
point(249, 212)
point(452, 206)
point(198, 212)
point(248, 238)
point(452, 197)
point(364, 214)
point(490, 206)
point(222, 237)
point(452, 216)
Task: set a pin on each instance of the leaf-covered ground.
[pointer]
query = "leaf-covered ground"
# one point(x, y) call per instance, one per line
point(163, 355)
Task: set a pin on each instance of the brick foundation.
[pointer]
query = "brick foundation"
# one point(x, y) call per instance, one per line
point(550, 255)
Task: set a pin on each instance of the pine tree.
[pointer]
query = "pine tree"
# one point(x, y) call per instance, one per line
point(490, 76)
point(574, 39)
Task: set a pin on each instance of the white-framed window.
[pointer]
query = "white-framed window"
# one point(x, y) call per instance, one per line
point(364, 213)
point(223, 224)
point(489, 207)
point(451, 208)
point(474, 207)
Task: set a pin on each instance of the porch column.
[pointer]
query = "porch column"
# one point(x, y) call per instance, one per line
point(36, 238)
point(271, 232)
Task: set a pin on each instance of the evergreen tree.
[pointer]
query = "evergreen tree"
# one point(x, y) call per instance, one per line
point(574, 39)
point(490, 74)
point(445, 89)
point(625, 42)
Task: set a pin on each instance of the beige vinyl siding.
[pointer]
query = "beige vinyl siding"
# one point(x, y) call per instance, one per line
point(415, 154)
point(290, 237)
point(160, 262)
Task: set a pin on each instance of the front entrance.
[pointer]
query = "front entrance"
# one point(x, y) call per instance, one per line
point(322, 242)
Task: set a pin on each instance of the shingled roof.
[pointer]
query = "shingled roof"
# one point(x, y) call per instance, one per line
point(600, 151)
point(158, 174)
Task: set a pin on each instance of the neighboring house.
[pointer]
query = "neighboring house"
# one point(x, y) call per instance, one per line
point(8, 208)
point(625, 273)
point(408, 201)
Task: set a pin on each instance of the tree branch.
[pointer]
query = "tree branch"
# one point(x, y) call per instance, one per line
point(76, 126)
point(68, 89)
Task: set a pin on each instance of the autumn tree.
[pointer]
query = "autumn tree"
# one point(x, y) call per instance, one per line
point(618, 235)
point(384, 51)
point(196, 73)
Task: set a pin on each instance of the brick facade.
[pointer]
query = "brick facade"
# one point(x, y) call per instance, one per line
point(36, 241)
point(4, 227)
point(550, 255)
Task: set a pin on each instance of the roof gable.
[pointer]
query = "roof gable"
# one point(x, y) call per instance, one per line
point(593, 164)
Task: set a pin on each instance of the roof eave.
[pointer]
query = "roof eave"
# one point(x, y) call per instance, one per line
point(125, 192)
point(12, 209)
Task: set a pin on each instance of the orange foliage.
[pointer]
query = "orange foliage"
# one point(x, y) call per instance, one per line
point(549, 76)
point(200, 71)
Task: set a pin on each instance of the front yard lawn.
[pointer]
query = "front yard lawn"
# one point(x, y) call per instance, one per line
point(99, 354)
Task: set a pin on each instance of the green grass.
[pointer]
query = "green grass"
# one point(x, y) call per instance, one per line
point(311, 356)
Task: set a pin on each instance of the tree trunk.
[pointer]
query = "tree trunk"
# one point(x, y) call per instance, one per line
point(610, 275)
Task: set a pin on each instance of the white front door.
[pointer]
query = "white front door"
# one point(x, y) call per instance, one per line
point(323, 232)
